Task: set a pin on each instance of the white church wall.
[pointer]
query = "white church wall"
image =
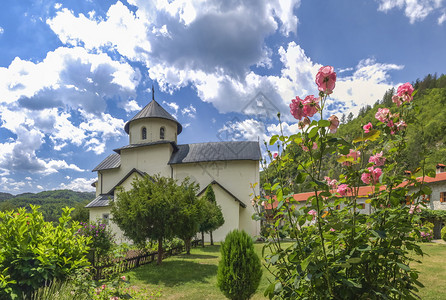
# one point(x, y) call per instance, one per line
point(152, 126)
point(235, 176)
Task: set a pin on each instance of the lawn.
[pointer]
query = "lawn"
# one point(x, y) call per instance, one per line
point(194, 276)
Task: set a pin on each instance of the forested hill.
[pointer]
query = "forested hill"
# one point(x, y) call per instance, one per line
point(51, 202)
point(428, 133)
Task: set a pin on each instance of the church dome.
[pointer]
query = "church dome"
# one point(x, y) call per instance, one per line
point(153, 110)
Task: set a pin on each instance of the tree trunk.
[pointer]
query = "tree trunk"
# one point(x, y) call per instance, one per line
point(202, 239)
point(437, 229)
point(160, 251)
point(187, 245)
point(212, 239)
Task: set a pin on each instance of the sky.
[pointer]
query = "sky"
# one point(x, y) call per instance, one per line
point(72, 73)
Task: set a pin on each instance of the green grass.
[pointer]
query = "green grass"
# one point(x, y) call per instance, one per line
point(195, 276)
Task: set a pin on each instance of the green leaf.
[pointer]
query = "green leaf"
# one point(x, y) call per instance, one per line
point(403, 266)
point(273, 139)
point(373, 135)
point(313, 132)
point(323, 123)
point(300, 178)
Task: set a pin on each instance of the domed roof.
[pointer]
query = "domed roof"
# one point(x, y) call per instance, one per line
point(153, 110)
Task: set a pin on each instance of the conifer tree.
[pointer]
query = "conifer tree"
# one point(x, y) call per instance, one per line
point(239, 270)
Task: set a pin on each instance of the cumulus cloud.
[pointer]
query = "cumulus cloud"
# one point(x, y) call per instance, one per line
point(79, 185)
point(415, 10)
point(246, 130)
point(442, 19)
point(1, 30)
point(38, 109)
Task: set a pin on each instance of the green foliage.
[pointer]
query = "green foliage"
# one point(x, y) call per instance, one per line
point(33, 251)
point(51, 203)
point(188, 213)
point(209, 195)
point(213, 215)
point(239, 270)
point(101, 237)
point(443, 233)
point(156, 208)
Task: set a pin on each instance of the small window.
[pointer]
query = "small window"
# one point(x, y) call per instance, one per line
point(443, 197)
point(162, 133)
point(426, 198)
point(144, 133)
point(105, 218)
point(361, 206)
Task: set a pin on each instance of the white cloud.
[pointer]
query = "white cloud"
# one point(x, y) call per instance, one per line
point(189, 111)
point(78, 184)
point(39, 187)
point(28, 178)
point(131, 106)
point(249, 129)
point(415, 10)
point(442, 19)
point(1, 30)
point(172, 105)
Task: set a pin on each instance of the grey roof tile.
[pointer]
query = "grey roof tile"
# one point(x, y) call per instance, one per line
point(153, 110)
point(145, 144)
point(216, 151)
point(112, 161)
point(100, 201)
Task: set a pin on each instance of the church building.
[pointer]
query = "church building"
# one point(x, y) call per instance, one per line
point(230, 167)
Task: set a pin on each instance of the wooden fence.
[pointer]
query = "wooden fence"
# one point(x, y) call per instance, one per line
point(119, 265)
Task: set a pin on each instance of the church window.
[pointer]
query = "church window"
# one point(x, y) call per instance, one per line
point(162, 133)
point(144, 133)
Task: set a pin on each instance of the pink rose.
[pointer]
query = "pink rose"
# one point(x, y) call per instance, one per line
point(311, 105)
point(297, 108)
point(275, 155)
point(405, 90)
point(103, 286)
point(326, 79)
point(396, 100)
point(312, 213)
point(123, 277)
point(334, 123)
point(333, 183)
point(414, 207)
point(372, 176)
point(365, 177)
point(367, 127)
point(314, 146)
point(305, 148)
point(343, 189)
point(355, 155)
point(382, 115)
point(332, 229)
point(377, 159)
point(401, 125)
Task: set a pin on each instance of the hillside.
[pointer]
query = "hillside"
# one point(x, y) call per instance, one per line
point(426, 138)
point(51, 202)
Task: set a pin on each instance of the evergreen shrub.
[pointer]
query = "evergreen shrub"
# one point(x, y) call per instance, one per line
point(239, 270)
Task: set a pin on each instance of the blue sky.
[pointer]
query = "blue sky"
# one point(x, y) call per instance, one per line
point(73, 72)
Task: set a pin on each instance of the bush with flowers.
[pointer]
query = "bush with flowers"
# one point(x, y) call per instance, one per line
point(336, 251)
point(102, 239)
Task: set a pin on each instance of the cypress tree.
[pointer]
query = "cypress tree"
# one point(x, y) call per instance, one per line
point(239, 270)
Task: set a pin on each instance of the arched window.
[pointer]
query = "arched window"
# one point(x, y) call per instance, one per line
point(162, 133)
point(144, 133)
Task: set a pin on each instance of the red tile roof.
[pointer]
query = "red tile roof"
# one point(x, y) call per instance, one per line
point(363, 191)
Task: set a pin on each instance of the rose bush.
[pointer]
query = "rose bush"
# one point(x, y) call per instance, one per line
point(336, 251)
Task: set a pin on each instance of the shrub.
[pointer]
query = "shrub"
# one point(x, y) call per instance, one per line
point(34, 251)
point(239, 270)
point(443, 233)
point(102, 239)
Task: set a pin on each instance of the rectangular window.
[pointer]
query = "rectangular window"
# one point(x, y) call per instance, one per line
point(362, 206)
point(408, 200)
point(426, 198)
point(105, 218)
point(443, 197)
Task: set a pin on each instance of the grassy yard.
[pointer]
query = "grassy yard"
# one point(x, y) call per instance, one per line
point(194, 276)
